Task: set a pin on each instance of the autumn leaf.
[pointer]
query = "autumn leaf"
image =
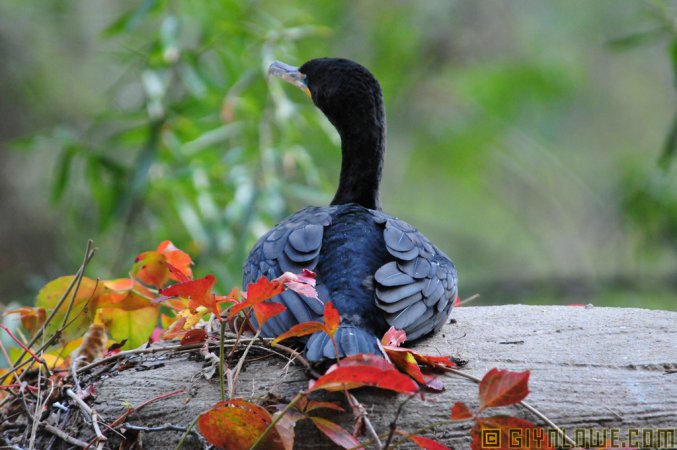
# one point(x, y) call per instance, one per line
point(427, 443)
point(198, 292)
point(332, 320)
point(31, 317)
point(285, 426)
point(406, 362)
point(460, 411)
point(336, 433)
point(257, 293)
point(82, 311)
point(503, 388)
point(195, 336)
point(300, 329)
point(364, 370)
point(303, 283)
point(136, 326)
point(236, 425)
point(314, 404)
point(166, 263)
point(394, 337)
point(508, 433)
point(125, 293)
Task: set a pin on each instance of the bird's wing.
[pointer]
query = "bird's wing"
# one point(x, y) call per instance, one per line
point(291, 246)
point(416, 291)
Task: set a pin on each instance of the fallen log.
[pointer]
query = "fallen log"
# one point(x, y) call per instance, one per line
point(592, 369)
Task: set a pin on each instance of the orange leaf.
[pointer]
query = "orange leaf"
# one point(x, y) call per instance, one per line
point(178, 262)
point(198, 292)
point(460, 411)
point(237, 424)
point(407, 363)
point(364, 370)
point(427, 443)
point(263, 290)
point(332, 319)
point(394, 337)
point(158, 266)
point(503, 388)
point(338, 435)
point(31, 317)
point(125, 293)
point(300, 329)
point(508, 433)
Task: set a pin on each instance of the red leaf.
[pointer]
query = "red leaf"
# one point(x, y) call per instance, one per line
point(237, 424)
point(198, 292)
point(364, 370)
point(285, 427)
point(427, 443)
point(300, 329)
point(194, 336)
point(394, 337)
point(433, 383)
point(503, 388)
point(303, 283)
point(257, 293)
point(338, 435)
point(313, 405)
point(460, 411)
point(433, 361)
point(332, 319)
point(457, 302)
point(265, 311)
point(263, 290)
point(508, 433)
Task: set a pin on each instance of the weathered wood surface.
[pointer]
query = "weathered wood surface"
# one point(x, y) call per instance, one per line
point(590, 368)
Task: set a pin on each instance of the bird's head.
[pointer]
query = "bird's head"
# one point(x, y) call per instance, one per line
point(346, 92)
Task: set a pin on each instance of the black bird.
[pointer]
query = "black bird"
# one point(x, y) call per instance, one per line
point(376, 269)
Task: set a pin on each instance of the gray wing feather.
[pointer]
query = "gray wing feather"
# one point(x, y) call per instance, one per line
point(293, 245)
point(416, 291)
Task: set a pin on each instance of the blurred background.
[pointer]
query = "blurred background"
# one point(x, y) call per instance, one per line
point(531, 141)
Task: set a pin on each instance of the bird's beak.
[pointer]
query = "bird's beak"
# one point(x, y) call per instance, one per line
point(289, 74)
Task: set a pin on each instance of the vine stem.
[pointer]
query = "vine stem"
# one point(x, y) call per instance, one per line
point(222, 375)
point(525, 405)
point(277, 419)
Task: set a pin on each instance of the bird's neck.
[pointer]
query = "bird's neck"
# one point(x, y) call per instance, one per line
point(361, 166)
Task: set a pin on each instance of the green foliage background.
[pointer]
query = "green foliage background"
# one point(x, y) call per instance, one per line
point(524, 136)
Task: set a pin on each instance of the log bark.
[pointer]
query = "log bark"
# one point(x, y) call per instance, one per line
point(591, 368)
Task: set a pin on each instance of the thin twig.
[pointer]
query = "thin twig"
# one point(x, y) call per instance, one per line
point(240, 363)
point(63, 436)
point(362, 414)
point(19, 363)
point(393, 424)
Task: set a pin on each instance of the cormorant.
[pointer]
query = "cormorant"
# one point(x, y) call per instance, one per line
point(376, 269)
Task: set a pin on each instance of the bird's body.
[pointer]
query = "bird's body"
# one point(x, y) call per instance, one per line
point(378, 271)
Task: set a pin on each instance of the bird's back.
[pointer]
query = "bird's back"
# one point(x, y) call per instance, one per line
point(377, 270)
